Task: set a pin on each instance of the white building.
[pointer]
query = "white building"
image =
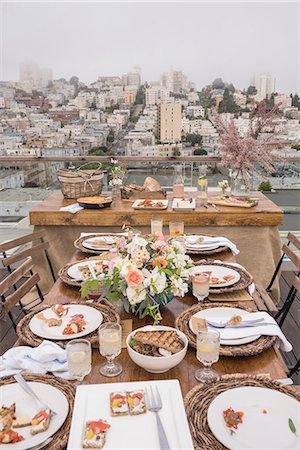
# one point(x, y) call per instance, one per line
point(284, 100)
point(10, 179)
point(174, 81)
point(157, 94)
point(264, 84)
point(195, 111)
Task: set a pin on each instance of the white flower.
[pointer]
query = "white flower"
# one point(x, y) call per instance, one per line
point(179, 287)
point(156, 282)
point(116, 181)
point(136, 294)
point(223, 184)
point(178, 247)
point(124, 265)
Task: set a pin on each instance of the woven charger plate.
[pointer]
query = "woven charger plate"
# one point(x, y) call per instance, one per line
point(27, 336)
point(63, 272)
point(200, 397)
point(252, 348)
point(78, 244)
point(60, 438)
point(244, 281)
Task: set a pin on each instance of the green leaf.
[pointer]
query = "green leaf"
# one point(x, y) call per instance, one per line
point(113, 296)
point(126, 305)
point(292, 426)
point(91, 285)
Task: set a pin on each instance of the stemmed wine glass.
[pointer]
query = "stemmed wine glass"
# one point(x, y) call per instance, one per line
point(208, 349)
point(110, 338)
point(201, 285)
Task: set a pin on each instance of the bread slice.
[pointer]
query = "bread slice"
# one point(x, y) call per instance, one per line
point(6, 417)
point(40, 422)
point(118, 404)
point(169, 340)
point(136, 402)
point(21, 421)
point(95, 434)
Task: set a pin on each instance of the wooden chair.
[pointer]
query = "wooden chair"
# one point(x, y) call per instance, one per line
point(38, 244)
point(10, 299)
point(263, 296)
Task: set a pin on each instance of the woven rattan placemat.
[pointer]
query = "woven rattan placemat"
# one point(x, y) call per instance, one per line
point(60, 438)
point(78, 243)
point(252, 348)
point(200, 397)
point(27, 336)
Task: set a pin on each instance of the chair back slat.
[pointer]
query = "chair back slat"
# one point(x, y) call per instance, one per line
point(296, 283)
point(5, 246)
point(15, 276)
point(292, 256)
point(294, 240)
point(24, 254)
point(17, 296)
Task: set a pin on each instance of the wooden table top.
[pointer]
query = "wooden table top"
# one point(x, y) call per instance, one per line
point(266, 213)
point(268, 362)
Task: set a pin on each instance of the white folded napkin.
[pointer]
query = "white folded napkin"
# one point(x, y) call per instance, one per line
point(220, 241)
point(74, 208)
point(266, 330)
point(83, 234)
point(47, 357)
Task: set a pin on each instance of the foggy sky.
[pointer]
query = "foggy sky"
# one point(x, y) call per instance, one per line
point(205, 40)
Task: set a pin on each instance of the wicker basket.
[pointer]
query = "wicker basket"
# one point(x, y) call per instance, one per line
point(81, 183)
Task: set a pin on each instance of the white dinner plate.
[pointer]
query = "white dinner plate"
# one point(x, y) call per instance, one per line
point(26, 406)
point(226, 312)
point(265, 421)
point(219, 272)
point(76, 274)
point(165, 203)
point(92, 316)
point(107, 242)
point(132, 432)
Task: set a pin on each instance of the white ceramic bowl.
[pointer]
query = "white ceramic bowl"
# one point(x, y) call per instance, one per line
point(157, 364)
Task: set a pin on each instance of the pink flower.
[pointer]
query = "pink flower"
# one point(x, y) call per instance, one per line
point(160, 237)
point(134, 277)
point(160, 245)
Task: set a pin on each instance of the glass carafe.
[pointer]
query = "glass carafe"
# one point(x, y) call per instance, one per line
point(178, 182)
point(202, 186)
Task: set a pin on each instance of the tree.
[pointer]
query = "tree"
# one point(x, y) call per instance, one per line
point(140, 96)
point(296, 146)
point(295, 101)
point(200, 152)
point(218, 83)
point(194, 139)
point(111, 136)
point(265, 186)
point(251, 90)
point(74, 80)
point(228, 105)
point(231, 88)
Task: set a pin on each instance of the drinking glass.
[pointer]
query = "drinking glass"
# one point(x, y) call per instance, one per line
point(208, 349)
point(110, 338)
point(79, 357)
point(156, 227)
point(176, 229)
point(201, 285)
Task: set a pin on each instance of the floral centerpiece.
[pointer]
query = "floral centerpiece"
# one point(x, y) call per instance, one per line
point(146, 273)
point(118, 172)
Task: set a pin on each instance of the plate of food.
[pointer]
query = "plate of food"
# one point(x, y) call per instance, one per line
point(101, 242)
point(227, 313)
point(223, 200)
point(87, 269)
point(150, 204)
point(220, 276)
point(184, 204)
point(116, 416)
point(254, 418)
point(94, 202)
point(65, 322)
point(22, 425)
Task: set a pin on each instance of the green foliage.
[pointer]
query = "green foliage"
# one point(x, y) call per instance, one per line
point(176, 151)
point(265, 186)
point(218, 83)
point(251, 90)
point(110, 109)
point(111, 136)
point(296, 101)
point(92, 285)
point(228, 104)
point(194, 138)
point(296, 146)
point(200, 152)
point(205, 98)
point(140, 96)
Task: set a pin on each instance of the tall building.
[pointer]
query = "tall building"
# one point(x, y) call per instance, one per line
point(264, 84)
point(156, 94)
point(169, 123)
point(132, 78)
point(32, 76)
point(175, 81)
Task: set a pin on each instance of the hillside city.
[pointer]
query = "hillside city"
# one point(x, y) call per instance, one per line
point(125, 116)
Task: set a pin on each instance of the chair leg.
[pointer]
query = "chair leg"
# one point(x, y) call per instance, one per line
point(283, 312)
point(269, 288)
point(295, 369)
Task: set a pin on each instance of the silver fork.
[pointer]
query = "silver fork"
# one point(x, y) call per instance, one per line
point(26, 387)
point(155, 405)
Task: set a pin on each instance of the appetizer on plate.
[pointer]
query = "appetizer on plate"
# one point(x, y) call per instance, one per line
point(118, 404)
point(224, 279)
point(232, 419)
point(21, 422)
point(51, 322)
point(95, 434)
point(40, 422)
point(59, 310)
point(156, 343)
point(75, 325)
point(147, 203)
point(136, 402)
point(7, 416)
point(10, 437)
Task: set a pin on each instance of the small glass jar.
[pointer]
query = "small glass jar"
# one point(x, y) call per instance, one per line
point(178, 182)
point(202, 186)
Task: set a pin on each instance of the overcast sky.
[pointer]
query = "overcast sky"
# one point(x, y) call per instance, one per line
point(205, 39)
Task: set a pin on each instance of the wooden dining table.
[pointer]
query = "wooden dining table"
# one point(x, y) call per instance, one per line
point(269, 362)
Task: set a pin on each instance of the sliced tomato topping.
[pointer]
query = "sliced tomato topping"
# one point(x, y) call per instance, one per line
point(99, 426)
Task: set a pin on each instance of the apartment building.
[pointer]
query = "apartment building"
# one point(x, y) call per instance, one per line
point(284, 100)
point(264, 84)
point(157, 94)
point(169, 123)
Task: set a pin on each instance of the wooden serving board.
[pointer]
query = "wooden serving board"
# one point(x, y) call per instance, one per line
point(231, 202)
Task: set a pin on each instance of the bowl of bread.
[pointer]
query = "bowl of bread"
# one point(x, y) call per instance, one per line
point(157, 349)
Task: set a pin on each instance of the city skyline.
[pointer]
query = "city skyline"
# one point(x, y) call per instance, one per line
point(125, 34)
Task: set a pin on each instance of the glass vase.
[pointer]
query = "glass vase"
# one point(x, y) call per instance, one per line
point(238, 186)
point(116, 192)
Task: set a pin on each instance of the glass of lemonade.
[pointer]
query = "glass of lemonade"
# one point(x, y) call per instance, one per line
point(110, 339)
point(79, 357)
point(176, 229)
point(201, 285)
point(157, 227)
point(208, 349)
